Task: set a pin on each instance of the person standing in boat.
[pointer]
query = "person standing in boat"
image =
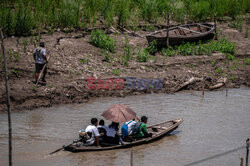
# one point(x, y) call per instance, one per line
point(94, 140)
point(40, 60)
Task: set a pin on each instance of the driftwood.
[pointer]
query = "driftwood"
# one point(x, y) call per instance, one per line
point(128, 32)
point(190, 81)
point(113, 30)
point(221, 82)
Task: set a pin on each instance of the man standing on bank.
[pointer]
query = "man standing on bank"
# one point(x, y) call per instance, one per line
point(40, 60)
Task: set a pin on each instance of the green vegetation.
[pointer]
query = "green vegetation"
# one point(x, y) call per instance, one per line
point(23, 17)
point(213, 62)
point(154, 59)
point(25, 44)
point(99, 39)
point(107, 57)
point(219, 71)
point(32, 39)
point(116, 72)
point(127, 52)
point(168, 52)
point(247, 61)
point(230, 56)
point(222, 45)
point(232, 77)
point(152, 49)
point(237, 24)
point(14, 56)
point(142, 56)
point(85, 60)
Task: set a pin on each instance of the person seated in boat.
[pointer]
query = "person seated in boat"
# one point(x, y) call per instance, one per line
point(127, 127)
point(93, 133)
point(113, 134)
point(102, 129)
point(143, 131)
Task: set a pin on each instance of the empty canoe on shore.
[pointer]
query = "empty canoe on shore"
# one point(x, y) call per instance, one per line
point(183, 33)
point(158, 130)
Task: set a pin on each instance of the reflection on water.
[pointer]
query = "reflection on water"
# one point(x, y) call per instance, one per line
point(212, 125)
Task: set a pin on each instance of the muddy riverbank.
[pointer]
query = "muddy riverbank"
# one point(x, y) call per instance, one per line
point(73, 59)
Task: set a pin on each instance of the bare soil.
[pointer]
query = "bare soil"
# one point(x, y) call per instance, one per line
point(73, 59)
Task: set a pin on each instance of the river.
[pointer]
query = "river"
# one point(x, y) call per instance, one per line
point(212, 125)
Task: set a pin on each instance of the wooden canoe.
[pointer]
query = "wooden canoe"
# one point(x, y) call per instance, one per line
point(183, 33)
point(158, 130)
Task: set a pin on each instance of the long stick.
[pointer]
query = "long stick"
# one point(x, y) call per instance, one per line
point(131, 157)
point(247, 148)
point(42, 71)
point(241, 161)
point(8, 100)
point(167, 30)
point(57, 150)
point(215, 26)
point(203, 85)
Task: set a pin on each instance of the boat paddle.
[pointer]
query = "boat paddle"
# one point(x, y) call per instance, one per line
point(75, 141)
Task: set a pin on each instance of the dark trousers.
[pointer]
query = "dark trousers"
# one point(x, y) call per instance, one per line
point(111, 140)
point(39, 68)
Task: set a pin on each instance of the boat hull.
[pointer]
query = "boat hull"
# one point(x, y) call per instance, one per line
point(181, 35)
point(158, 130)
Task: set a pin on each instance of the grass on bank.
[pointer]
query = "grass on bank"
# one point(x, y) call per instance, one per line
point(187, 49)
point(22, 17)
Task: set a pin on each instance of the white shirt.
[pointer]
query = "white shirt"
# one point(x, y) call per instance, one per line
point(130, 125)
point(40, 52)
point(95, 133)
point(111, 132)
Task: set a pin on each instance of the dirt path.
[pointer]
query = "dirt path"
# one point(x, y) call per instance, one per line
point(73, 59)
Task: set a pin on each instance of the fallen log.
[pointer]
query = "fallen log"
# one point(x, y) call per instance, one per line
point(190, 81)
point(128, 32)
point(221, 82)
point(113, 30)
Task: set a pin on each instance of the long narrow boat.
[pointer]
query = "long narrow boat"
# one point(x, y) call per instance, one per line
point(158, 130)
point(183, 33)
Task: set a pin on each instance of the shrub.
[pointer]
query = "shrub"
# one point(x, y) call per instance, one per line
point(219, 71)
point(168, 52)
point(142, 56)
point(247, 61)
point(99, 39)
point(152, 49)
point(230, 56)
point(186, 49)
point(116, 72)
point(127, 52)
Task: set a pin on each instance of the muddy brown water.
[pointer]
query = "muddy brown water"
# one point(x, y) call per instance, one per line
point(212, 125)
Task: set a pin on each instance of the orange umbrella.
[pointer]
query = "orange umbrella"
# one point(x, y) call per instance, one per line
point(119, 113)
